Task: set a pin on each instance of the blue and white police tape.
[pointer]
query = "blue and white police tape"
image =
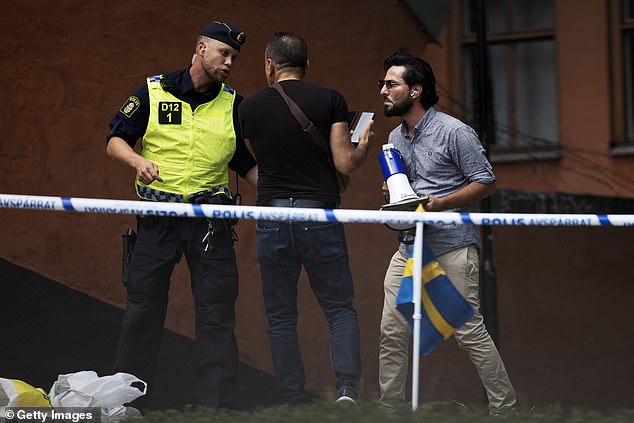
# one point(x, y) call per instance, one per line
point(99, 205)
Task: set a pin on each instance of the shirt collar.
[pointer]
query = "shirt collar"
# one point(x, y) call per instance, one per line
point(183, 85)
point(420, 126)
point(186, 81)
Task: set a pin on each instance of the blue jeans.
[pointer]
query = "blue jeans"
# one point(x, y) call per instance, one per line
point(282, 248)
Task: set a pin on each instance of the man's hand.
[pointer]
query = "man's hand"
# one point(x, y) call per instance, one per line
point(466, 196)
point(435, 204)
point(147, 171)
point(366, 138)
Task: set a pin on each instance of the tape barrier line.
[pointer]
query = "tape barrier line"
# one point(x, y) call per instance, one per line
point(99, 205)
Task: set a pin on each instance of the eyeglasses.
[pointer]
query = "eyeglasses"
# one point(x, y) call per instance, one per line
point(389, 84)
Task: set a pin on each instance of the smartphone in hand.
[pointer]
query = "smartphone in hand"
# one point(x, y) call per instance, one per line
point(362, 124)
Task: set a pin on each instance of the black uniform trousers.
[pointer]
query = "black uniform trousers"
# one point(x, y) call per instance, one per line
point(161, 241)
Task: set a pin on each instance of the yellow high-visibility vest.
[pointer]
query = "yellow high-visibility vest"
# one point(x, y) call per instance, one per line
point(192, 148)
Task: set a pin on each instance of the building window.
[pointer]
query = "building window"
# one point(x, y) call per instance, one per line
point(622, 27)
point(522, 67)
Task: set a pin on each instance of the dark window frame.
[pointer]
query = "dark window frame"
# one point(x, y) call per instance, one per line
point(515, 150)
point(622, 105)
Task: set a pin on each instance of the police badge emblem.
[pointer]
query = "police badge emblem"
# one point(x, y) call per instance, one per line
point(131, 105)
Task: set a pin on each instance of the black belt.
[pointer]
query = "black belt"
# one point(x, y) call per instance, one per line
point(302, 203)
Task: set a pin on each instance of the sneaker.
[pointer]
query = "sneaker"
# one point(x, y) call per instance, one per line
point(504, 412)
point(346, 401)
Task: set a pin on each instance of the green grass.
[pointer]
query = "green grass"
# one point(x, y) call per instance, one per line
point(326, 411)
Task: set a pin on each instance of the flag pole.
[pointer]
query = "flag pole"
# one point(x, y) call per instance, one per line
point(417, 276)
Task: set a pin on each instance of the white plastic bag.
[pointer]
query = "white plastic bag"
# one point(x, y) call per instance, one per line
point(87, 389)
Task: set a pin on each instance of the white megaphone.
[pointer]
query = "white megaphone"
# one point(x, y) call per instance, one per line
point(402, 196)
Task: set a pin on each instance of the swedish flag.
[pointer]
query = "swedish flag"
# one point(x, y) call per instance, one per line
point(443, 309)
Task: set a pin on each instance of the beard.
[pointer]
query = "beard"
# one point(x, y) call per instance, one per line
point(214, 74)
point(399, 108)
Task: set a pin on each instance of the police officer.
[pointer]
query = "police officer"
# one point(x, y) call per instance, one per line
point(190, 136)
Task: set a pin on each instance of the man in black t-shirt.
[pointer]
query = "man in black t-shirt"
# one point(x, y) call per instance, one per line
point(294, 171)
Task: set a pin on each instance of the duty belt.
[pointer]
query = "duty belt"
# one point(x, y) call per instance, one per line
point(152, 194)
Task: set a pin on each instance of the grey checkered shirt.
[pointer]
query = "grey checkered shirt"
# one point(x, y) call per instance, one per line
point(444, 155)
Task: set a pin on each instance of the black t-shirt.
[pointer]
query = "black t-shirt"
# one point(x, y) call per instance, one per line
point(290, 162)
point(133, 125)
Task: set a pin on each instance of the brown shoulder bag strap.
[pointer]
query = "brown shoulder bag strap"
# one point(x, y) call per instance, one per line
point(307, 125)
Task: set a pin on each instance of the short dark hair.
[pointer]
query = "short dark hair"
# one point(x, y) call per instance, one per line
point(288, 50)
point(417, 71)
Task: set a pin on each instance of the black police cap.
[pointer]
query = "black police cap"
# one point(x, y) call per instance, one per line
point(224, 32)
